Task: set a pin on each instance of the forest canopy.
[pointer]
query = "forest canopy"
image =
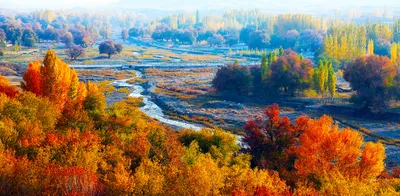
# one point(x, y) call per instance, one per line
point(58, 136)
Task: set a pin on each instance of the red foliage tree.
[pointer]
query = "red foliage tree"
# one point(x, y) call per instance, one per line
point(269, 140)
point(372, 78)
point(233, 78)
point(290, 73)
point(32, 78)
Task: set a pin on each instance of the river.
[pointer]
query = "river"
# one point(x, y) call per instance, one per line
point(150, 108)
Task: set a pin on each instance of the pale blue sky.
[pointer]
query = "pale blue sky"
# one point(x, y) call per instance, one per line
point(183, 4)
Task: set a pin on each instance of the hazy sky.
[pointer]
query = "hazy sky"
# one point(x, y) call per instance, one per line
point(34, 4)
point(59, 4)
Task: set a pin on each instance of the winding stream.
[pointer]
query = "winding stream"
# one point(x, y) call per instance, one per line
point(150, 108)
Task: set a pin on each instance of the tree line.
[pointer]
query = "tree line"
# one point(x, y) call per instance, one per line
point(58, 136)
point(374, 79)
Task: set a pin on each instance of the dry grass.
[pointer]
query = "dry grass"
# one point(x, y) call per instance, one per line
point(124, 90)
point(188, 57)
point(174, 94)
point(112, 73)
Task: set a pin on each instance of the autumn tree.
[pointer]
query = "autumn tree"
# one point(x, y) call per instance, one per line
point(324, 150)
point(51, 34)
point(331, 80)
point(55, 79)
point(370, 47)
point(290, 73)
point(74, 51)
point(233, 78)
point(67, 38)
point(310, 40)
point(394, 53)
point(6, 88)
point(217, 142)
point(216, 40)
point(124, 34)
point(324, 78)
point(373, 86)
point(264, 66)
point(345, 42)
point(269, 140)
point(51, 80)
point(94, 102)
point(110, 48)
point(105, 31)
point(29, 38)
point(32, 78)
point(135, 32)
point(258, 40)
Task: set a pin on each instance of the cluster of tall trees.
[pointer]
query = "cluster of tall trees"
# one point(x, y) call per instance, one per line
point(47, 25)
point(324, 78)
point(375, 79)
point(258, 30)
point(185, 36)
point(315, 151)
point(58, 136)
point(345, 42)
point(281, 72)
point(338, 40)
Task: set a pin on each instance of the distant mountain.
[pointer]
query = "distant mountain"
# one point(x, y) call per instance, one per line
point(191, 5)
point(267, 5)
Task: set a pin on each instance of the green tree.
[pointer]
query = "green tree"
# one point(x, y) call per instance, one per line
point(331, 80)
point(281, 51)
point(16, 47)
point(324, 79)
point(264, 66)
point(272, 57)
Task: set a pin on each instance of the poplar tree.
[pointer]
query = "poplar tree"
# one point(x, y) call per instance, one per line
point(281, 51)
point(264, 66)
point(370, 47)
point(272, 57)
point(344, 48)
point(331, 80)
point(324, 78)
point(393, 53)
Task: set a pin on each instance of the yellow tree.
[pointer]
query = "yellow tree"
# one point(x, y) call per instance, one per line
point(56, 79)
point(393, 53)
point(73, 89)
point(95, 101)
point(336, 48)
point(370, 47)
point(52, 80)
point(344, 48)
point(149, 178)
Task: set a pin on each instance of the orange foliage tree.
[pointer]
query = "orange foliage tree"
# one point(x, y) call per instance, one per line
point(325, 150)
point(54, 80)
point(32, 78)
point(6, 88)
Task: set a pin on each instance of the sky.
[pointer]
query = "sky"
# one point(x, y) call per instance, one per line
point(53, 4)
point(193, 4)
